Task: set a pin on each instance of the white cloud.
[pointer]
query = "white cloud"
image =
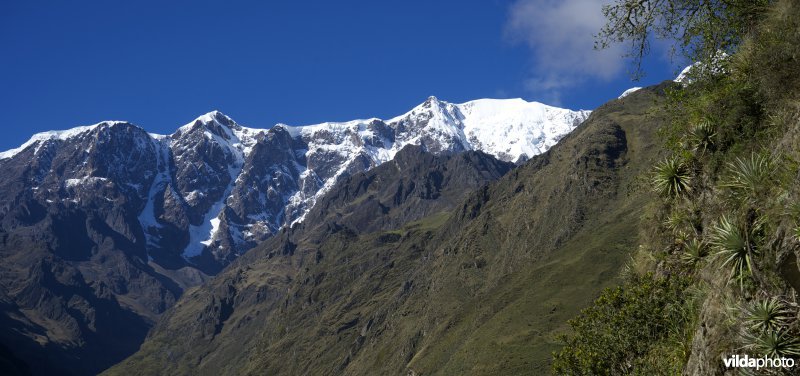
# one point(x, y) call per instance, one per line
point(560, 35)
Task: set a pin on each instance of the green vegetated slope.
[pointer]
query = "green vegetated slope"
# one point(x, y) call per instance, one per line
point(716, 273)
point(525, 254)
point(481, 288)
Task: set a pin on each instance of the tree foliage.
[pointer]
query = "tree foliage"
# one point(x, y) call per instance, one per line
point(700, 29)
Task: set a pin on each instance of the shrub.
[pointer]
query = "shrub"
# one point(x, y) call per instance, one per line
point(775, 53)
point(617, 332)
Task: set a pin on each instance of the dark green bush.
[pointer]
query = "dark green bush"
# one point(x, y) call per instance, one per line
point(616, 334)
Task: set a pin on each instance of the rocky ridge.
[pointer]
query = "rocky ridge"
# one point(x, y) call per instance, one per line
point(214, 189)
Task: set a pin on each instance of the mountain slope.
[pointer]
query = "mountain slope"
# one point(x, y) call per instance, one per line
point(214, 323)
point(479, 289)
point(77, 291)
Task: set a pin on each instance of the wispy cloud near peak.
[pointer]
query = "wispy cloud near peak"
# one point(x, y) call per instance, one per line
point(560, 35)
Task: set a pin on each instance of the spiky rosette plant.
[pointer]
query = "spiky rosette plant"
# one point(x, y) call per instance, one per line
point(676, 220)
point(774, 344)
point(751, 176)
point(765, 315)
point(733, 245)
point(694, 251)
point(702, 137)
point(672, 177)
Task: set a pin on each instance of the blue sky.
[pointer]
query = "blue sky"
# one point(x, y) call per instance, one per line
point(160, 64)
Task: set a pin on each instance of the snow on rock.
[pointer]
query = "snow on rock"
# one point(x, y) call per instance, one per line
point(237, 142)
point(683, 77)
point(40, 138)
point(71, 183)
point(513, 129)
point(510, 129)
point(629, 92)
point(211, 188)
point(715, 66)
point(147, 218)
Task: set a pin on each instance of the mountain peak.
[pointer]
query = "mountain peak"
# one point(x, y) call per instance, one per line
point(216, 116)
point(215, 122)
point(429, 106)
point(433, 102)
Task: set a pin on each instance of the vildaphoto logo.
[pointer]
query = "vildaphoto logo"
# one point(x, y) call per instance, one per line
point(745, 361)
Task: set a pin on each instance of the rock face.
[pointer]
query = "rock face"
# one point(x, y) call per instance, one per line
point(414, 185)
point(75, 275)
point(214, 189)
point(103, 227)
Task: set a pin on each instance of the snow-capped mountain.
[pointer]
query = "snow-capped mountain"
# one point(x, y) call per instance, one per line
point(213, 189)
point(684, 77)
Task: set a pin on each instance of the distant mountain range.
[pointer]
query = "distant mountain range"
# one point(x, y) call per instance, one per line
point(103, 227)
point(214, 189)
